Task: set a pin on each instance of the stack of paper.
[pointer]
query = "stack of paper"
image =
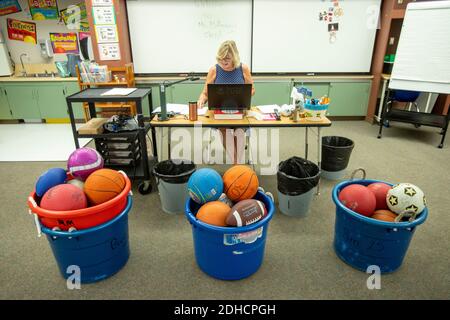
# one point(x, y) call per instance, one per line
point(119, 92)
point(270, 108)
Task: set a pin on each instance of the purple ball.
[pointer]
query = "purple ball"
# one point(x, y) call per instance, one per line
point(82, 162)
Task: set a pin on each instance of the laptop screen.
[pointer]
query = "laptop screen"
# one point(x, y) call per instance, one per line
point(229, 96)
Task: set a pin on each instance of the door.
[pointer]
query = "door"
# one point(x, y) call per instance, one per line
point(22, 100)
point(5, 112)
point(349, 98)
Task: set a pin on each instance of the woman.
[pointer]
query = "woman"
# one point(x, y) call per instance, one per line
point(228, 69)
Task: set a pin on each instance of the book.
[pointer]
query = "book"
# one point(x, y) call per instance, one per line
point(228, 114)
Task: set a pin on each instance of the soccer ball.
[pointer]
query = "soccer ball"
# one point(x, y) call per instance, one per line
point(406, 199)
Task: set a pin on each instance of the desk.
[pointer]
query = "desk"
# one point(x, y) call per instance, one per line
point(140, 168)
point(208, 121)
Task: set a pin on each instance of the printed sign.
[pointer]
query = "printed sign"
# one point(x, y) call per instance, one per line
point(43, 9)
point(106, 34)
point(9, 6)
point(73, 14)
point(102, 2)
point(245, 237)
point(109, 51)
point(22, 31)
point(104, 15)
point(83, 35)
point(64, 42)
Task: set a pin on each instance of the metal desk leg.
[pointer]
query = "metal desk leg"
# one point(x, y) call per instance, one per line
point(155, 147)
point(169, 138)
point(143, 141)
point(319, 156)
point(306, 143)
point(92, 111)
point(428, 102)
point(161, 144)
point(380, 106)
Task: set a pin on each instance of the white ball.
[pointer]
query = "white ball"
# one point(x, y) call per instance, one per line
point(223, 198)
point(406, 198)
point(77, 183)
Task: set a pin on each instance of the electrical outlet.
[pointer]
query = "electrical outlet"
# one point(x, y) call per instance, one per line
point(391, 40)
point(400, 1)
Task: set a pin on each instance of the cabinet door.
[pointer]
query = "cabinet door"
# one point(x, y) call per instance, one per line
point(52, 101)
point(23, 102)
point(349, 98)
point(272, 93)
point(5, 112)
point(184, 92)
point(71, 88)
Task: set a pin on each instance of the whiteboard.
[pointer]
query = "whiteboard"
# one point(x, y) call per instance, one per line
point(289, 37)
point(181, 36)
point(422, 60)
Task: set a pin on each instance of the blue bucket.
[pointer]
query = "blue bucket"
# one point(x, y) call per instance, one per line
point(362, 241)
point(99, 252)
point(229, 253)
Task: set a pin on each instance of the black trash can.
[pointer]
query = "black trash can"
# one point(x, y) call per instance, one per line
point(336, 153)
point(296, 178)
point(172, 177)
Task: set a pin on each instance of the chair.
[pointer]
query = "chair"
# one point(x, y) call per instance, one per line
point(404, 96)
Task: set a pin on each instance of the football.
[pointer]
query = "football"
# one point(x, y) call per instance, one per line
point(406, 198)
point(246, 212)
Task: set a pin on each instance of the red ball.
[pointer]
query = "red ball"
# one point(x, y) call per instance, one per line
point(358, 198)
point(64, 197)
point(380, 190)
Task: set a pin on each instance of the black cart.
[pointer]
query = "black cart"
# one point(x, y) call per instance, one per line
point(135, 141)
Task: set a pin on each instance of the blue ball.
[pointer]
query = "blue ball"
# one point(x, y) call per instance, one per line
point(205, 185)
point(49, 179)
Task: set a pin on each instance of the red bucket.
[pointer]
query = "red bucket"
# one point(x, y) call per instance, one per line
point(82, 218)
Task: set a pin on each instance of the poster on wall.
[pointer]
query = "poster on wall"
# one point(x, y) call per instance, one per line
point(9, 6)
point(21, 31)
point(109, 51)
point(73, 15)
point(43, 9)
point(106, 34)
point(104, 15)
point(64, 42)
point(102, 2)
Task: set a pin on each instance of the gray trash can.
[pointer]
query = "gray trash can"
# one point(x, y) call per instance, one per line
point(297, 179)
point(172, 177)
point(336, 153)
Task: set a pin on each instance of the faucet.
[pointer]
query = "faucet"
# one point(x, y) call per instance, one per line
point(24, 71)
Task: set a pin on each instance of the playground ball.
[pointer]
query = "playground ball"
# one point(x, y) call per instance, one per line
point(49, 179)
point(205, 185)
point(76, 182)
point(214, 213)
point(240, 183)
point(380, 190)
point(82, 162)
point(384, 215)
point(358, 198)
point(64, 197)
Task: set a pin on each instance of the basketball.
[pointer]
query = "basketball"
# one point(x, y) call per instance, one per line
point(103, 185)
point(358, 198)
point(240, 183)
point(384, 215)
point(82, 162)
point(49, 179)
point(214, 212)
point(64, 197)
point(205, 185)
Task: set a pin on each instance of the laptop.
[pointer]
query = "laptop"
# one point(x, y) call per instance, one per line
point(229, 96)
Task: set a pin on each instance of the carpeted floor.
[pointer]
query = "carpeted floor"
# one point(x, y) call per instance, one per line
point(299, 261)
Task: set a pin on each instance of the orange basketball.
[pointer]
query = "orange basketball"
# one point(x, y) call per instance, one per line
point(103, 185)
point(384, 215)
point(214, 212)
point(240, 183)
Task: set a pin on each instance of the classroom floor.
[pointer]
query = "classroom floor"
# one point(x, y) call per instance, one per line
point(299, 261)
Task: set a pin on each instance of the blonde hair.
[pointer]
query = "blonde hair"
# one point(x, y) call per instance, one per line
point(229, 47)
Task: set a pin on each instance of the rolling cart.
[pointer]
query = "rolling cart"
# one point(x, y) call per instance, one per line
point(125, 150)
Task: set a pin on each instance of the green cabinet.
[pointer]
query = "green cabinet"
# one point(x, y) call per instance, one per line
point(184, 92)
point(23, 101)
point(348, 98)
point(52, 101)
point(5, 112)
point(69, 89)
point(272, 93)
